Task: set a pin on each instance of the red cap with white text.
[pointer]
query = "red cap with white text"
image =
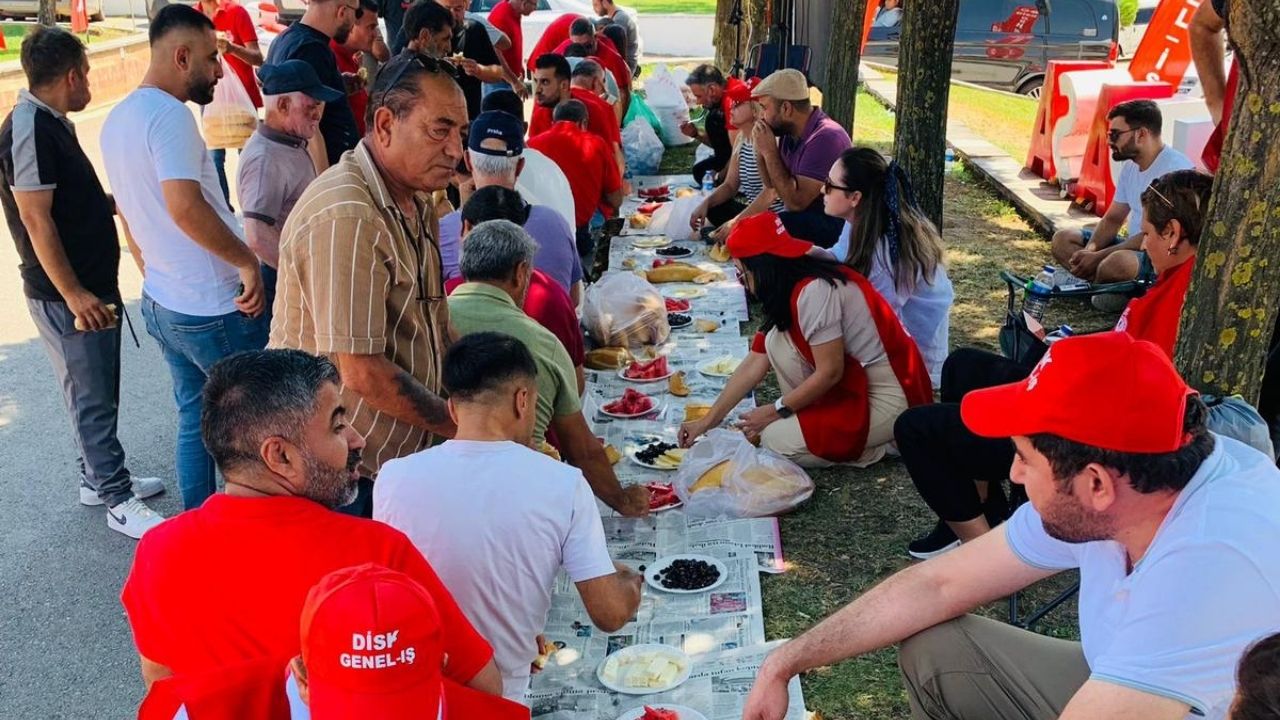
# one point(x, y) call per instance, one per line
point(1105, 390)
point(371, 641)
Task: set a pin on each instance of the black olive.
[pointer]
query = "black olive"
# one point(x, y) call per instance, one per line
point(683, 574)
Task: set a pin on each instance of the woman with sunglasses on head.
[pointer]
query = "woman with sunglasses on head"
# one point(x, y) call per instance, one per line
point(959, 474)
point(744, 192)
point(845, 366)
point(888, 239)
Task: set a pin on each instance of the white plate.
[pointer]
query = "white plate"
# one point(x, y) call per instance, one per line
point(651, 572)
point(674, 326)
point(686, 292)
point(665, 508)
point(623, 370)
point(631, 455)
point(704, 366)
point(687, 252)
point(657, 408)
point(684, 711)
point(650, 242)
point(645, 649)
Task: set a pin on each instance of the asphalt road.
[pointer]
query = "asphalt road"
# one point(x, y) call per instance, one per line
point(65, 647)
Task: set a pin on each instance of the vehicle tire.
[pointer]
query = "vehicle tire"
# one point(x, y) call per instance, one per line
point(1032, 87)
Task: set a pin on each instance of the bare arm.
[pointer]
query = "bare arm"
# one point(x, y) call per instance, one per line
point(797, 193)
point(1206, 50)
point(389, 389)
point(264, 240)
point(134, 250)
point(488, 680)
point(200, 222)
point(1101, 700)
point(581, 376)
point(381, 52)
point(760, 204)
point(582, 450)
point(575, 293)
point(611, 601)
point(35, 209)
point(909, 601)
point(748, 375)
point(248, 52)
point(152, 671)
point(319, 152)
point(614, 199)
point(1104, 234)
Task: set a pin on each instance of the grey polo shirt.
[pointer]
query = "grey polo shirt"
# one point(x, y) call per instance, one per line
point(274, 170)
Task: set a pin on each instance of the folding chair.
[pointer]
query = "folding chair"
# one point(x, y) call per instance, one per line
point(762, 59)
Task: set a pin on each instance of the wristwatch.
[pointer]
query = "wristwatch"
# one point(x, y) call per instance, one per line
point(783, 411)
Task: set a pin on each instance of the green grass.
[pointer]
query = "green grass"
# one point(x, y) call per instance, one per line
point(855, 529)
point(673, 7)
point(15, 31)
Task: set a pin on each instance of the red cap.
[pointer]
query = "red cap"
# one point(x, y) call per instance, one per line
point(1105, 390)
point(764, 233)
point(740, 92)
point(371, 641)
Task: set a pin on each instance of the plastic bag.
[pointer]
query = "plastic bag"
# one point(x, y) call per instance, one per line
point(723, 475)
point(230, 118)
point(639, 109)
point(665, 97)
point(672, 219)
point(622, 309)
point(1234, 418)
point(642, 148)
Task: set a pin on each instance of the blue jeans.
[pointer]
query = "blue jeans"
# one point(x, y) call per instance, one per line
point(192, 345)
point(219, 157)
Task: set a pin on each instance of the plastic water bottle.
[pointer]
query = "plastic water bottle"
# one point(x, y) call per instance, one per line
point(708, 183)
point(950, 159)
point(1036, 299)
point(1063, 331)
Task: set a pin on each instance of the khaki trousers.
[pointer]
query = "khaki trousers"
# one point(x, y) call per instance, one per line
point(784, 437)
point(975, 668)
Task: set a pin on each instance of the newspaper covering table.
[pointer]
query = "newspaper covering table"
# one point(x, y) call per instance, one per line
point(722, 630)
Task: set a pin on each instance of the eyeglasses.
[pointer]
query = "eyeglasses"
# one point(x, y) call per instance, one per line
point(828, 186)
point(402, 64)
point(1114, 135)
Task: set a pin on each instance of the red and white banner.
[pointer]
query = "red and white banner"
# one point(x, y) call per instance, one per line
point(79, 16)
point(1165, 51)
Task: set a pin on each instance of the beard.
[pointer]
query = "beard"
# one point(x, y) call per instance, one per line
point(1120, 154)
point(341, 35)
point(200, 92)
point(331, 486)
point(779, 128)
point(1069, 521)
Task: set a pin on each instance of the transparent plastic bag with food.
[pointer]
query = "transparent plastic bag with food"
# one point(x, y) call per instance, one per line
point(230, 118)
point(622, 310)
point(723, 475)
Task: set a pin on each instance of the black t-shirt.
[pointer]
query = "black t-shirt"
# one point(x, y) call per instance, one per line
point(718, 136)
point(39, 151)
point(472, 40)
point(392, 13)
point(305, 43)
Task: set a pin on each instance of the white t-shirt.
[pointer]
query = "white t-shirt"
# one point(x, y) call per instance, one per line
point(497, 521)
point(151, 137)
point(1133, 182)
point(542, 182)
point(925, 312)
point(1208, 586)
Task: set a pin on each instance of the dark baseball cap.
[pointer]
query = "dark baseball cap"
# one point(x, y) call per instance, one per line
point(496, 125)
point(295, 76)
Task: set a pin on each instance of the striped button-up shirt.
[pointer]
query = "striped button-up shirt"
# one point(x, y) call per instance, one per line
point(358, 276)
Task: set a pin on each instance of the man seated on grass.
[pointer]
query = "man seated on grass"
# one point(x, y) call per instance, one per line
point(1172, 529)
point(500, 519)
point(497, 267)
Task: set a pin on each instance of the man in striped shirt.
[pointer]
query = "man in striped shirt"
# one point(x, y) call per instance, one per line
point(360, 271)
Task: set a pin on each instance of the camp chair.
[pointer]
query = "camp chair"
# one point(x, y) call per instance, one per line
point(762, 59)
point(1018, 343)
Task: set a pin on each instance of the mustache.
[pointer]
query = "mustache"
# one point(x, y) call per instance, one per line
point(353, 460)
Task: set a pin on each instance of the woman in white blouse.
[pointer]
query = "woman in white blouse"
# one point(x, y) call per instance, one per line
point(888, 239)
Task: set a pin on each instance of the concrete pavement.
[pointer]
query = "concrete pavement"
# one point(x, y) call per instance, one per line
point(65, 648)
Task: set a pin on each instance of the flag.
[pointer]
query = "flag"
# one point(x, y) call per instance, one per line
point(79, 16)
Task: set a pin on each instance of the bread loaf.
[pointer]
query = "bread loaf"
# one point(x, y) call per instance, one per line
point(608, 358)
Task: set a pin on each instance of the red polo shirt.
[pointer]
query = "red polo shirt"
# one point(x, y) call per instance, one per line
point(234, 20)
point(600, 118)
point(608, 58)
point(550, 306)
point(555, 33)
point(586, 160)
point(225, 583)
point(359, 100)
point(507, 19)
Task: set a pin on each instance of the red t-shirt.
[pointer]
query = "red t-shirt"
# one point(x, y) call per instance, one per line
point(225, 583)
point(507, 19)
point(608, 58)
point(600, 118)
point(586, 160)
point(347, 64)
point(234, 20)
point(1154, 317)
point(551, 307)
point(556, 32)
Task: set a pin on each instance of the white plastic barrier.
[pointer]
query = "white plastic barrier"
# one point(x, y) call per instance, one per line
point(1190, 135)
point(1071, 133)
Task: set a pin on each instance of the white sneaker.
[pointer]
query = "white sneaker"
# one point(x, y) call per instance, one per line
point(142, 487)
point(132, 518)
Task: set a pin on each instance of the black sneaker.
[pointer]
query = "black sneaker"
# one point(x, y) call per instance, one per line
point(938, 541)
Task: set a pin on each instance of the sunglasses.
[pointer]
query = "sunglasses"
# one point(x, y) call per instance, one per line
point(828, 186)
point(1114, 135)
point(398, 66)
point(1160, 196)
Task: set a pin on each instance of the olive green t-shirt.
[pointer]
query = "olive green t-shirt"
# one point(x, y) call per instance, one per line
point(477, 307)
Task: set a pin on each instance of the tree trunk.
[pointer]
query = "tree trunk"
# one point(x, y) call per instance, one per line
point(924, 84)
point(841, 87)
point(1234, 297)
point(754, 32)
point(48, 13)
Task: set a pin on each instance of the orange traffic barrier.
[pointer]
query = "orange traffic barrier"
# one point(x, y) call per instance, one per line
point(1053, 107)
point(1096, 188)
